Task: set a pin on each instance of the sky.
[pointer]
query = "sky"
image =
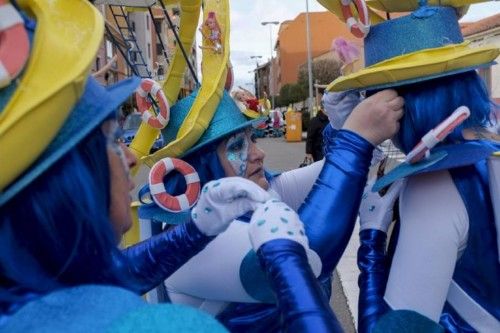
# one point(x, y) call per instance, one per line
point(250, 38)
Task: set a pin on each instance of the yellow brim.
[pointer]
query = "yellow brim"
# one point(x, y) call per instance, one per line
point(417, 66)
point(68, 36)
point(392, 6)
point(251, 114)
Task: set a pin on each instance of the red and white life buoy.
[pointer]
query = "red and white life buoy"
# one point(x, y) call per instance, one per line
point(360, 27)
point(149, 86)
point(157, 188)
point(14, 46)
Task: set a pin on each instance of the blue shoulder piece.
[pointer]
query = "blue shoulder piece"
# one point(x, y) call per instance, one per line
point(441, 158)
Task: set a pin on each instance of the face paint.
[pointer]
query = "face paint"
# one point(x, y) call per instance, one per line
point(113, 140)
point(237, 153)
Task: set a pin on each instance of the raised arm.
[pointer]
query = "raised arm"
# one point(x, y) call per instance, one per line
point(277, 235)
point(153, 260)
point(329, 211)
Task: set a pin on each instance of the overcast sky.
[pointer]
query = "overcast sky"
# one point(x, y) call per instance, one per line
point(250, 38)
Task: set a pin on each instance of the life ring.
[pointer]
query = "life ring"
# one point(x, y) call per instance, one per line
point(163, 199)
point(15, 47)
point(143, 104)
point(360, 27)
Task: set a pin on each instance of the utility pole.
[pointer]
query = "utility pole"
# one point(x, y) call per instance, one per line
point(271, 78)
point(257, 78)
point(309, 61)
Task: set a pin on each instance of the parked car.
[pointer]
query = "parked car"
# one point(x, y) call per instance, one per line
point(130, 128)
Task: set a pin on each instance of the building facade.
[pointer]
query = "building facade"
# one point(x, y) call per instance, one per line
point(291, 46)
point(486, 32)
point(154, 45)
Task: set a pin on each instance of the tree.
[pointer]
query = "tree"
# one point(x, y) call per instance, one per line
point(324, 71)
point(291, 93)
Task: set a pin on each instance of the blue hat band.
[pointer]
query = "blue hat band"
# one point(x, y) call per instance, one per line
point(411, 33)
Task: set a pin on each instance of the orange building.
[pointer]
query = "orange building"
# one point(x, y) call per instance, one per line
point(291, 46)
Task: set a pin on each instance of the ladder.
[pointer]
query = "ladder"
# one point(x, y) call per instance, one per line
point(133, 53)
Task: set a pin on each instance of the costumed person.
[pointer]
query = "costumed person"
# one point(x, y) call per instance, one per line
point(64, 197)
point(445, 265)
point(276, 123)
point(212, 33)
point(314, 140)
point(265, 104)
point(224, 279)
point(247, 103)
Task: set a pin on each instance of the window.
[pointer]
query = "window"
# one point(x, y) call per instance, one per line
point(147, 22)
point(159, 49)
point(176, 11)
point(149, 50)
point(109, 50)
point(97, 63)
point(158, 25)
point(133, 56)
point(133, 26)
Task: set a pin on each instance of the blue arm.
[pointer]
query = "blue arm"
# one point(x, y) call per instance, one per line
point(330, 209)
point(153, 260)
point(374, 267)
point(300, 298)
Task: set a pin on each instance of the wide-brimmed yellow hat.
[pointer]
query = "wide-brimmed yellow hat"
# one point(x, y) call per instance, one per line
point(67, 37)
point(54, 104)
point(421, 46)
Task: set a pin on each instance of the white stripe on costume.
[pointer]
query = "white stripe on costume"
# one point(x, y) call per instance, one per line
point(477, 317)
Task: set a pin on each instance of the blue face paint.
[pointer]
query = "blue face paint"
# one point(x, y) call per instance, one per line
point(113, 134)
point(237, 152)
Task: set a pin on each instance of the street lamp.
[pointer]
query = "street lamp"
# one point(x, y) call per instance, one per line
point(271, 23)
point(256, 78)
point(309, 62)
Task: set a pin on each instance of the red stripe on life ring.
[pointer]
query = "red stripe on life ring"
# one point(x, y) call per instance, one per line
point(14, 46)
point(157, 189)
point(149, 86)
point(360, 27)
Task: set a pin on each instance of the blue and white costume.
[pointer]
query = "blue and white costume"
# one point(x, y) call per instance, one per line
point(446, 263)
point(336, 193)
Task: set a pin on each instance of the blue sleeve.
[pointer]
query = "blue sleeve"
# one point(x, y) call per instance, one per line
point(301, 300)
point(374, 267)
point(330, 209)
point(153, 260)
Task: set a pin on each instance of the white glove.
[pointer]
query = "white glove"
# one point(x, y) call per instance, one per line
point(375, 212)
point(223, 200)
point(339, 105)
point(275, 220)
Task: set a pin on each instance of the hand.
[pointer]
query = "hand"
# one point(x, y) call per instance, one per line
point(223, 200)
point(377, 117)
point(375, 212)
point(275, 220)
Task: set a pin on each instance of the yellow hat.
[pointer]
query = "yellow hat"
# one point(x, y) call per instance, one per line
point(424, 45)
point(40, 119)
point(68, 34)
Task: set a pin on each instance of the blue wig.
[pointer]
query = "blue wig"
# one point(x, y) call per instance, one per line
point(57, 232)
point(430, 102)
